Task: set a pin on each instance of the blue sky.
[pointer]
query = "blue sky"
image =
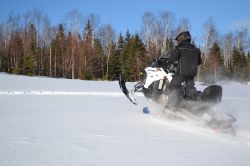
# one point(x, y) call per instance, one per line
point(126, 14)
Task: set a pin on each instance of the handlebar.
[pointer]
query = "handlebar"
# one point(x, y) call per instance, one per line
point(163, 63)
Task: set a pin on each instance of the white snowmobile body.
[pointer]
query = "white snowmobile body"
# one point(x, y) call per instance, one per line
point(156, 74)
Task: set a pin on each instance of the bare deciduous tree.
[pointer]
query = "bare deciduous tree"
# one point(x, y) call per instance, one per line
point(94, 21)
point(184, 25)
point(75, 21)
point(106, 35)
point(241, 38)
point(148, 28)
point(210, 36)
point(49, 34)
point(166, 19)
point(227, 44)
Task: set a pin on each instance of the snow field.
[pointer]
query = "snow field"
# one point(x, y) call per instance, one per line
point(59, 122)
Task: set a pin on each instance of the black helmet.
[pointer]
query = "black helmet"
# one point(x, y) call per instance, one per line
point(185, 35)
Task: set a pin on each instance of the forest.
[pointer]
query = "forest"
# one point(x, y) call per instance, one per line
point(81, 47)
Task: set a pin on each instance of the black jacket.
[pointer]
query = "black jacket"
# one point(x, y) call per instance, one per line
point(188, 57)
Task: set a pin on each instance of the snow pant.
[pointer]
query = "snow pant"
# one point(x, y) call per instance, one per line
point(177, 92)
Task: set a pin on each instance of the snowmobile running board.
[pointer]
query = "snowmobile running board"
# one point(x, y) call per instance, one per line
point(129, 95)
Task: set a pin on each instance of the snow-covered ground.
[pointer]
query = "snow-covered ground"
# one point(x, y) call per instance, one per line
point(59, 122)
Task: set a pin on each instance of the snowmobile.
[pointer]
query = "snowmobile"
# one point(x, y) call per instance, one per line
point(154, 84)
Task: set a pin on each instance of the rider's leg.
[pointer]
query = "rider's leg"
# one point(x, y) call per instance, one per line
point(176, 92)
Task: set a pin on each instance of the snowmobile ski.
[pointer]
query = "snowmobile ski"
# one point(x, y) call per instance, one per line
point(129, 95)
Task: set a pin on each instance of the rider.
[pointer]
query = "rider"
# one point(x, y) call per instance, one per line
point(188, 57)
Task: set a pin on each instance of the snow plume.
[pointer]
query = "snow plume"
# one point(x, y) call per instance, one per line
point(167, 117)
point(234, 101)
point(213, 78)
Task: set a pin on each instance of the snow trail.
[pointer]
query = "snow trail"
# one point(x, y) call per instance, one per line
point(58, 93)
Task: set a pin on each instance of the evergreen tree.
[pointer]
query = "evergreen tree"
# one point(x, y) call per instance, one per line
point(86, 59)
point(34, 48)
point(98, 60)
point(134, 57)
point(248, 65)
point(30, 52)
point(234, 63)
point(29, 65)
point(169, 44)
point(59, 51)
point(212, 69)
point(69, 59)
point(140, 56)
point(120, 44)
point(243, 63)
point(112, 63)
point(126, 60)
point(216, 62)
point(116, 59)
point(238, 64)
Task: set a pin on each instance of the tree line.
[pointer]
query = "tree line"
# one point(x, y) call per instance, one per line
point(77, 49)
